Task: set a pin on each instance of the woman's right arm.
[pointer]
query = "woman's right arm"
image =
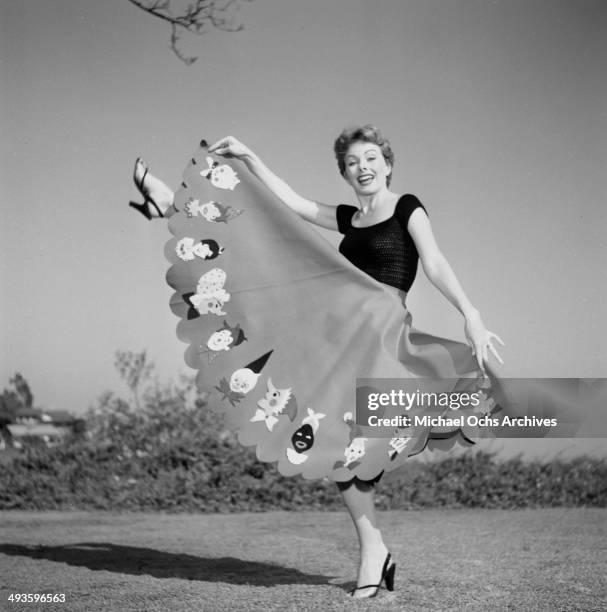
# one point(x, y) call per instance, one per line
point(315, 212)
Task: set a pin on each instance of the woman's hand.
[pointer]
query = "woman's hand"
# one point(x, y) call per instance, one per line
point(480, 340)
point(231, 147)
point(310, 210)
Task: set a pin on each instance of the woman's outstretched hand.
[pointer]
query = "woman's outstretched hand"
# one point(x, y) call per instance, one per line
point(480, 340)
point(230, 147)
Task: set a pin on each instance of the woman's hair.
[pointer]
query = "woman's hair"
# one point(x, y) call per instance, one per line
point(366, 133)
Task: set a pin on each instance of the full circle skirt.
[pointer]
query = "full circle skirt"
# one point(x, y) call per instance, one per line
point(279, 326)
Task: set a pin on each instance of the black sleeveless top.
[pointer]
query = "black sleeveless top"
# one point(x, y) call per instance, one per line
point(385, 251)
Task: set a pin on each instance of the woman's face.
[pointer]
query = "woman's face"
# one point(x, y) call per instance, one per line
point(366, 168)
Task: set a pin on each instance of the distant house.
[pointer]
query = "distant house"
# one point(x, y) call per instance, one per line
point(28, 416)
point(58, 417)
point(48, 427)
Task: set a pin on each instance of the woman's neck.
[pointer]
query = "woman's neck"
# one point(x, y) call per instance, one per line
point(371, 203)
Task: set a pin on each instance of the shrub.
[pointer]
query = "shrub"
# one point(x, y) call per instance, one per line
point(167, 450)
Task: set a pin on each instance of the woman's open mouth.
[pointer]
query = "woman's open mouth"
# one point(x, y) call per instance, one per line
point(365, 179)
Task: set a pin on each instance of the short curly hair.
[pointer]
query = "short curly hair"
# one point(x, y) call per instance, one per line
point(366, 133)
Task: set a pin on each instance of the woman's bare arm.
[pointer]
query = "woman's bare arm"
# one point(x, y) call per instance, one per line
point(442, 276)
point(315, 212)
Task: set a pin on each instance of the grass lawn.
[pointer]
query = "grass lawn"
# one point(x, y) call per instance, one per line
point(546, 559)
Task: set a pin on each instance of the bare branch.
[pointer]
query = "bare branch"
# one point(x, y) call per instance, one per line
point(197, 17)
point(175, 46)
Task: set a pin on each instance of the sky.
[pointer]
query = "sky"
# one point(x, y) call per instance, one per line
point(496, 110)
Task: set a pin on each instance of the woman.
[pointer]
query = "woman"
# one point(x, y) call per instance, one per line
point(384, 235)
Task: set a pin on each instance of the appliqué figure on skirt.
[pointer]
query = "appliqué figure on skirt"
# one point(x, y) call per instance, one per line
point(224, 339)
point(189, 248)
point(210, 295)
point(397, 445)
point(303, 439)
point(356, 449)
point(242, 380)
point(211, 211)
point(220, 175)
point(275, 402)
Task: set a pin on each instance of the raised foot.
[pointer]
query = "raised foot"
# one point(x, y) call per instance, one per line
point(157, 195)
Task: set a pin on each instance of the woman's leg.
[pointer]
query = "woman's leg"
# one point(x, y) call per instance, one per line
point(358, 497)
point(155, 189)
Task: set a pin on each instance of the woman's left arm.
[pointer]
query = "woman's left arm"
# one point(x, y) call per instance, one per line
point(441, 275)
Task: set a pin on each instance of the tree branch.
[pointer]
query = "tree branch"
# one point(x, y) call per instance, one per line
point(198, 17)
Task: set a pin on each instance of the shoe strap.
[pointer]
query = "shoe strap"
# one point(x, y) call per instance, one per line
point(383, 575)
point(142, 190)
point(369, 586)
point(145, 192)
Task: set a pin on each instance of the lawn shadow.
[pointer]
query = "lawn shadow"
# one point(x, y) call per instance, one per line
point(160, 564)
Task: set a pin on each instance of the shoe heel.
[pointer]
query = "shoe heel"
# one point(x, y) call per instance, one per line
point(142, 208)
point(390, 577)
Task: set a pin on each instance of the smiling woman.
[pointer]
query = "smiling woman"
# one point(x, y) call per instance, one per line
point(362, 153)
point(304, 322)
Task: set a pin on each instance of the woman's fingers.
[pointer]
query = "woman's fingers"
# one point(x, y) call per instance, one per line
point(495, 353)
point(229, 147)
point(478, 353)
point(222, 146)
point(498, 338)
point(215, 145)
point(220, 150)
point(485, 356)
point(493, 349)
point(480, 350)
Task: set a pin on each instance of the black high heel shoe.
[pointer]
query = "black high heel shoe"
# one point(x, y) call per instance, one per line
point(144, 208)
point(387, 574)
